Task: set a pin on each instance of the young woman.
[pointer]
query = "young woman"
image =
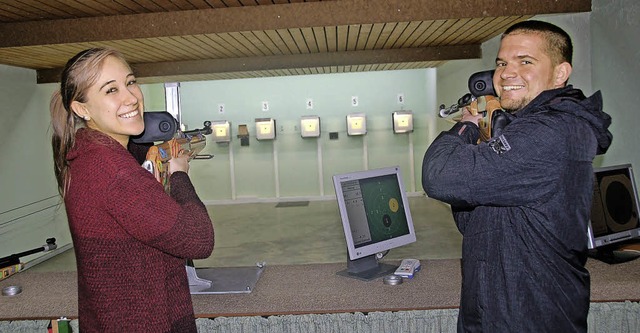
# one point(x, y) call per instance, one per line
point(130, 238)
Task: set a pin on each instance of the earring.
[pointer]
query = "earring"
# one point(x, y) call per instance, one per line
point(87, 118)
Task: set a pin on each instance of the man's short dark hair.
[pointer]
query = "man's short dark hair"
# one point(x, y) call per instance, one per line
point(559, 46)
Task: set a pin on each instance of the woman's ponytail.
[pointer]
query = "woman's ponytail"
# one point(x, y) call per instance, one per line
point(63, 124)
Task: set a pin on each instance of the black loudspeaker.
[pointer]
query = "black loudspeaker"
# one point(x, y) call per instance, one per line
point(158, 126)
point(614, 205)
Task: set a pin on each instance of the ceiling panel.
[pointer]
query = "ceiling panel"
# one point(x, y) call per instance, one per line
point(170, 40)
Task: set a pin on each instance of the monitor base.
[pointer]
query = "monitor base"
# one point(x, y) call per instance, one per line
point(382, 271)
point(367, 268)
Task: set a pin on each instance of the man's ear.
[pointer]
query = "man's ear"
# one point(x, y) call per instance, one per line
point(80, 110)
point(561, 74)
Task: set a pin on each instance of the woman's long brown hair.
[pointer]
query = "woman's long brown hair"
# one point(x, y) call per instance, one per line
point(78, 75)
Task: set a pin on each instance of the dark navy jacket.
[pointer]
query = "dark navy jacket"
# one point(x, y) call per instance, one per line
point(522, 203)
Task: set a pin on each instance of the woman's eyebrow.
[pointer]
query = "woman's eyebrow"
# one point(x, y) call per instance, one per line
point(106, 83)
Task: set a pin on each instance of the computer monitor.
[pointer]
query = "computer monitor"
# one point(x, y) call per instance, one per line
point(375, 217)
point(614, 214)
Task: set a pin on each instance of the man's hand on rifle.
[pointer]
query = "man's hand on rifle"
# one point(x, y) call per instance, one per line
point(467, 116)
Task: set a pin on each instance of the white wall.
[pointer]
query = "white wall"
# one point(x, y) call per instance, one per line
point(292, 166)
point(615, 39)
point(30, 210)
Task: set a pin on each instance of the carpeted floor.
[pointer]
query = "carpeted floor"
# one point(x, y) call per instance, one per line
point(250, 233)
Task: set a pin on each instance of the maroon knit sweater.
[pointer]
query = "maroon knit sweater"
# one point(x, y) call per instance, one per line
point(131, 240)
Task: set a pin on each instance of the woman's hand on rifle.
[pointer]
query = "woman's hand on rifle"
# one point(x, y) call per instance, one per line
point(179, 160)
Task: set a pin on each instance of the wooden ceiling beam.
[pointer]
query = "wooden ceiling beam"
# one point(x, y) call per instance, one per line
point(256, 18)
point(279, 62)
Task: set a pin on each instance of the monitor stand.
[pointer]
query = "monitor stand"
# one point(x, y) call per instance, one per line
point(367, 268)
point(613, 255)
point(223, 280)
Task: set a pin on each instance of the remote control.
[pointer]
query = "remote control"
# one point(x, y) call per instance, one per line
point(408, 267)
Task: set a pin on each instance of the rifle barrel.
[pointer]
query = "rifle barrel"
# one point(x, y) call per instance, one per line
point(15, 258)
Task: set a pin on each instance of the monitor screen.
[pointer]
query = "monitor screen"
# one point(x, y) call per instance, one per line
point(375, 213)
point(614, 209)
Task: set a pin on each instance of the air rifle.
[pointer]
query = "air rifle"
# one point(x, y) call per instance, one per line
point(480, 87)
point(11, 264)
point(161, 126)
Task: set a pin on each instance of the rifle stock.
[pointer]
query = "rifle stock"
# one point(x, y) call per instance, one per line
point(492, 105)
point(481, 88)
point(190, 143)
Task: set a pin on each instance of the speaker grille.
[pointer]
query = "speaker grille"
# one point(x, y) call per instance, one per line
point(619, 204)
point(614, 207)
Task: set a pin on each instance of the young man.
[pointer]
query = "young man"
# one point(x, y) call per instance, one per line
point(522, 200)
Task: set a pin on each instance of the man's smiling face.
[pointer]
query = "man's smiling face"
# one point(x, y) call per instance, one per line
point(524, 69)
